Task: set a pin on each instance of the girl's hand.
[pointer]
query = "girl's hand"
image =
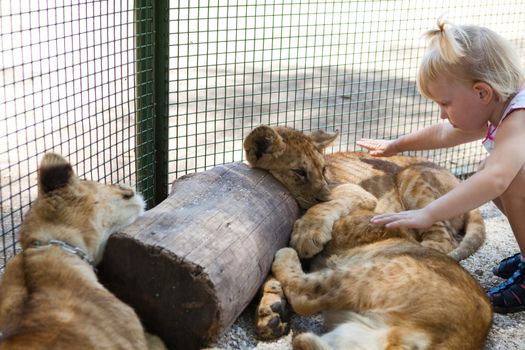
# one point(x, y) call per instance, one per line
point(378, 148)
point(418, 218)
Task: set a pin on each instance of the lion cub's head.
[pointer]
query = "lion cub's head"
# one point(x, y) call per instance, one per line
point(81, 213)
point(294, 158)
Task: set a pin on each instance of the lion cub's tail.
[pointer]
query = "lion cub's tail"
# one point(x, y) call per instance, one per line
point(473, 238)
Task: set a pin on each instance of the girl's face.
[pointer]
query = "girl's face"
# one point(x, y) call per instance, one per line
point(461, 104)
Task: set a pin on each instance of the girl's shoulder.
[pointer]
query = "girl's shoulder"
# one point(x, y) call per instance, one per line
point(518, 99)
point(514, 121)
point(517, 103)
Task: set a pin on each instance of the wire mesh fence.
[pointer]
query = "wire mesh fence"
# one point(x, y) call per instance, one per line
point(67, 84)
point(345, 65)
point(88, 79)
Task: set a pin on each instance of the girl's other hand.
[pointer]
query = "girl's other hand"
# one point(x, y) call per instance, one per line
point(378, 148)
point(418, 218)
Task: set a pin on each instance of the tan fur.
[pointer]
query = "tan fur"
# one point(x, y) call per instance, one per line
point(377, 288)
point(50, 298)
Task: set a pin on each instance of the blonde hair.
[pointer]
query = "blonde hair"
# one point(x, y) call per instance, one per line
point(471, 54)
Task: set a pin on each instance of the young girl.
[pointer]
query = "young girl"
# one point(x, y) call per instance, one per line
point(476, 79)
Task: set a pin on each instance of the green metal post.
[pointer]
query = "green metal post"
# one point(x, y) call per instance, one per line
point(151, 44)
point(144, 97)
point(161, 69)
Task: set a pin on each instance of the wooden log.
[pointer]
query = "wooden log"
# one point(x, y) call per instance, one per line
point(191, 265)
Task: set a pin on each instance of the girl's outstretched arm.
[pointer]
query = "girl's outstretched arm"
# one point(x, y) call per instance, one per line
point(435, 136)
point(501, 167)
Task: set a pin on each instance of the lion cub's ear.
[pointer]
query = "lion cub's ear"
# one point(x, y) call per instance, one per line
point(263, 144)
point(322, 139)
point(54, 172)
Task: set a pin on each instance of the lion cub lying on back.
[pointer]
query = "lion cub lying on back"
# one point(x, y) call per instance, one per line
point(376, 288)
point(50, 297)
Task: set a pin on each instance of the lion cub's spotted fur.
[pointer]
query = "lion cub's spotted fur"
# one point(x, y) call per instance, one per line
point(377, 288)
point(49, 297)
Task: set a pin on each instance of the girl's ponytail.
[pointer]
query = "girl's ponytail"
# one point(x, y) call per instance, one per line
point(450, 40)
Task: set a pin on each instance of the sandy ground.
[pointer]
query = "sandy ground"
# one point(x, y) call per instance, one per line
point(507, 331)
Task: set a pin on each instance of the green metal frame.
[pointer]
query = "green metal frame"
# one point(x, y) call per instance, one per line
point(152, 29)
point(161, 98)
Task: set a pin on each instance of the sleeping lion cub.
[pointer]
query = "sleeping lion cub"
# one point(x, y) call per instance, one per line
point(376, 288)
point(49, 296)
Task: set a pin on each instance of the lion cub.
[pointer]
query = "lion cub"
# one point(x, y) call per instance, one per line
point(376, 288)
point(49, 296)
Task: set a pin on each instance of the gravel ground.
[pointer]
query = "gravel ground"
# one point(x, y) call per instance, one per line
point(508, 331)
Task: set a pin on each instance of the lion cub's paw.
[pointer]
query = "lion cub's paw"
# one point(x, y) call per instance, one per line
point(310, 236)
point(271, 317)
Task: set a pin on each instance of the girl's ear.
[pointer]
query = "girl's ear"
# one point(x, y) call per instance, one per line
point(484, 92)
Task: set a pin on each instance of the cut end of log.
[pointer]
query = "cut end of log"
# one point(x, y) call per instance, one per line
point(174, 299)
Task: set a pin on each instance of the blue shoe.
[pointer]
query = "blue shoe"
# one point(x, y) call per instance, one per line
point(507, 266)
point(509, 296)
